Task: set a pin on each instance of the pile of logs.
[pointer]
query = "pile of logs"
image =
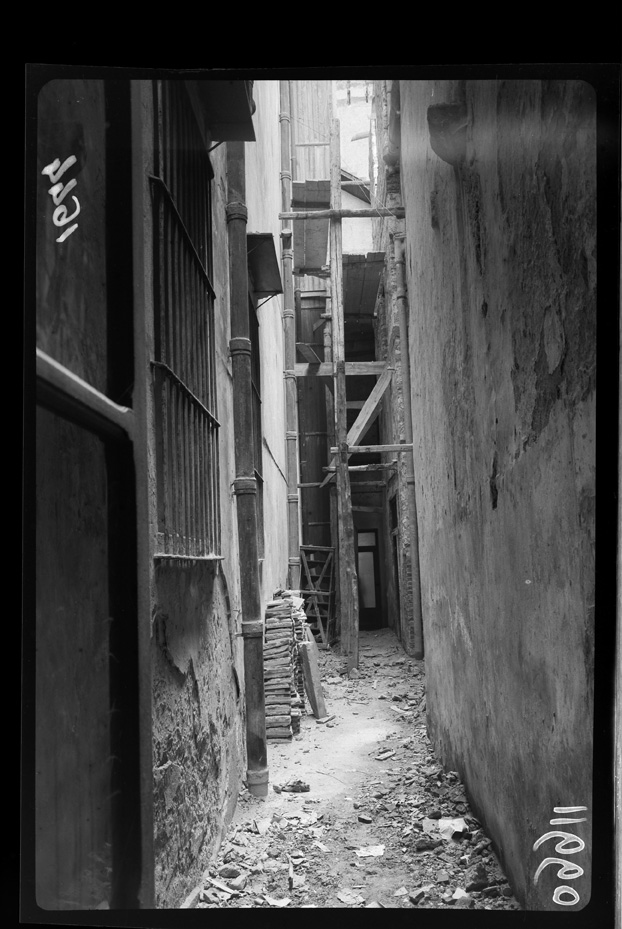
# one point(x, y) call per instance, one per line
point(278, 668)
point(300, 635)
point(284, 628)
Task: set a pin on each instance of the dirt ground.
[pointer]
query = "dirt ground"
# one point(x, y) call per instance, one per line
point(381, 824)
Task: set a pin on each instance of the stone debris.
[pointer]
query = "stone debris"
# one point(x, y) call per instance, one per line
point(350, 898)
point(428, 851)
point(296, 787)
point(370, 851)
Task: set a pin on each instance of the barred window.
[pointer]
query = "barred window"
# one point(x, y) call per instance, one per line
point(184, 365)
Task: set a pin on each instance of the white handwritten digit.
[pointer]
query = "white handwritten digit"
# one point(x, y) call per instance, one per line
point(55, 175)
point(568, 809)
point(568, 890)
point(58, 192)
point(63, 209)
point(560, 847)
point(569, 869)
point(565, 822)
point(67, 233)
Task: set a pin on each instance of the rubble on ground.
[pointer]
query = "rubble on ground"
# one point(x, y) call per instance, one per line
point(405, 837)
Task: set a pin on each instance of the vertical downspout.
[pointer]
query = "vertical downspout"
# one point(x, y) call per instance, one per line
point(245, 483)
point(289, 345)
point(402, 306)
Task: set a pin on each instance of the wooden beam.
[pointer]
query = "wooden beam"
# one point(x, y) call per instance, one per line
point(370, 408)
point(369, 411)
point(397, 212)
point(326, 369)
point(368, 509)
point(312, 272)
point(347, 565)
point(308, 353)
point(382, 466)
point(375, 449)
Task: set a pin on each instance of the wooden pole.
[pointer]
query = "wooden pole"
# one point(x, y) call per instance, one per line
point(334, 516)
point(402, 302)
point(348, 582)
point(372, 212)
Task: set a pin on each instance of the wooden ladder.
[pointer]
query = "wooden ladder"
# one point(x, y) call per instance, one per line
point(318, 564)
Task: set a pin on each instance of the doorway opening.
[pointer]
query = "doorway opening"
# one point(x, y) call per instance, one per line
point(368, 571)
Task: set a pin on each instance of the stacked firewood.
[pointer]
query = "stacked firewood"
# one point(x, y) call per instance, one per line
point(300, 624)
point(279, 661)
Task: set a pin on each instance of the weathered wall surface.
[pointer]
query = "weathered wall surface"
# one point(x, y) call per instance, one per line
point(198, 726)
point(386, 190)
point(263, 196)
point(354, 118)
point(198, 666)
point(502, 283)
point(197, 662)
point(357, 233)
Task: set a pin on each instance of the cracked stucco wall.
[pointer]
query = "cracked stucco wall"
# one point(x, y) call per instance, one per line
point(501, 267)
point(198, 734)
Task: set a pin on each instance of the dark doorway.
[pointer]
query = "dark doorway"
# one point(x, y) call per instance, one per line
point(367, 566)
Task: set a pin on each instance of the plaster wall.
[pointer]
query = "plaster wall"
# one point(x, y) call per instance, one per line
point(357, 233)
point(354, 119)
point(263, 197)
point(501, 268)
point(197, 659)
point(198, 669)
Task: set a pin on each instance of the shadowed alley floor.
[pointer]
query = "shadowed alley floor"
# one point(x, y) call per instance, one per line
point(381, 825)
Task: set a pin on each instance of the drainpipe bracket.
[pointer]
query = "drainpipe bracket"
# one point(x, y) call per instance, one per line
point(252, 628)
point(235, 209)
point(257, 781)
point(245, 485)
point(240, 346)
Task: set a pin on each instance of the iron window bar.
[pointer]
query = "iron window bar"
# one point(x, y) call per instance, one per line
point(186, 390)
point(188, 238)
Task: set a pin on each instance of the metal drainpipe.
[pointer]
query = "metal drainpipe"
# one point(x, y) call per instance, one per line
point(402, 306)
point(245, 483)
point(289, 344)
point(391, 148)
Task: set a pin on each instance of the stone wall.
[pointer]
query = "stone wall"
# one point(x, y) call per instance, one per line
point(502, 287)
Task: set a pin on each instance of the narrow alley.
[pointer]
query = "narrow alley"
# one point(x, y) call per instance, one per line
point(312, 597)
point(360, 812)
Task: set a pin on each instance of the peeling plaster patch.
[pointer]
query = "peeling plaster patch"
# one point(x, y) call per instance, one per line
point(494, 493)
point(554, 342)
point(458, 622)
point(548, 382)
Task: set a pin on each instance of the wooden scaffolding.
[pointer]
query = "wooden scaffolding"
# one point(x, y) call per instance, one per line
point(318, 566)
point(345, 586)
